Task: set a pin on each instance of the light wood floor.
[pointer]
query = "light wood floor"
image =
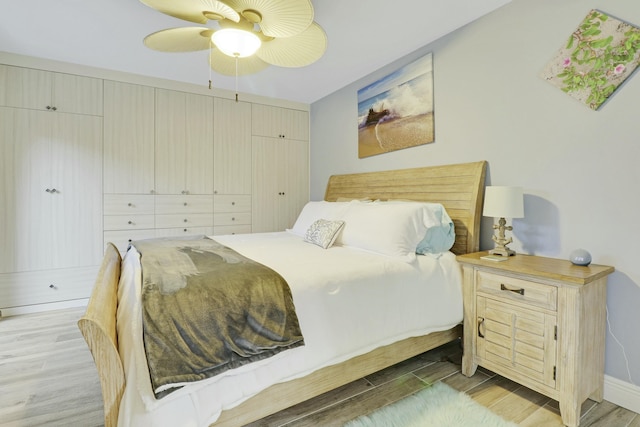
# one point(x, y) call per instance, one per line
point(47, 377)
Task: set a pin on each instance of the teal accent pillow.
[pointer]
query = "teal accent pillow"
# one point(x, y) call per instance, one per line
point(440, 234)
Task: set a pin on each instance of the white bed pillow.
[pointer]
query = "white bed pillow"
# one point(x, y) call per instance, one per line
point(314, 211)
point(323, 232)
point(391, 229)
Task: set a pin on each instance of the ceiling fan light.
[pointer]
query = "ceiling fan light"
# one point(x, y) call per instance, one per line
point(236, 43)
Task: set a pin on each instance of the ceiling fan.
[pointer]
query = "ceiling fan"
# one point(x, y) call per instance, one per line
point(246, 36)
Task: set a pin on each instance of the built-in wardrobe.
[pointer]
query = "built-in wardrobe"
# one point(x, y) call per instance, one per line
point(88, 160)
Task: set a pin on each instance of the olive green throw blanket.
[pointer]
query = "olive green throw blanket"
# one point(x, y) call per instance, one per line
point(207, 309)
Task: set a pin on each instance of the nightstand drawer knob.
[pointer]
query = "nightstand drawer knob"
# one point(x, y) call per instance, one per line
point(517, 291)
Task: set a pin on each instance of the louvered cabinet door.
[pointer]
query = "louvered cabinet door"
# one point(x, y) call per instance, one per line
point(517, 339)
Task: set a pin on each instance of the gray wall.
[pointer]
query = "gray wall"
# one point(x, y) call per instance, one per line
point(579, 168)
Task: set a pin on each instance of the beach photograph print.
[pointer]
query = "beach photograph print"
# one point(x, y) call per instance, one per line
point(396, 111)
point(596, 59)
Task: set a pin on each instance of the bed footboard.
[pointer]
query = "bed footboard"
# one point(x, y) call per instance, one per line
point(98, 326)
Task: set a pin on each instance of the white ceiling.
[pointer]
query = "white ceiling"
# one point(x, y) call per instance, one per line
point(363, 35)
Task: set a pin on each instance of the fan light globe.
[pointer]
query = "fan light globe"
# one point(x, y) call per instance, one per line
point(236, 43)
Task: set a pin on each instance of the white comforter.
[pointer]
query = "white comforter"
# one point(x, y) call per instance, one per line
point(348, 302)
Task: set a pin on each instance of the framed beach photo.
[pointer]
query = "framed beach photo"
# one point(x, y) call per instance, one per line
point(396, 112)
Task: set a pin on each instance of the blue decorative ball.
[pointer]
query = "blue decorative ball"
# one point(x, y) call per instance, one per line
point(580, 257)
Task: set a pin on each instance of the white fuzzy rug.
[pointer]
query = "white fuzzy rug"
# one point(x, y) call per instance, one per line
point(435, 406)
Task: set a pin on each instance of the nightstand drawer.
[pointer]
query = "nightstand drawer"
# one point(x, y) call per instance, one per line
point(504, 287)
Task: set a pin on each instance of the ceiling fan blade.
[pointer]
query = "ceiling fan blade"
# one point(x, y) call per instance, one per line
point(226, 65)
point(279, 18)
point(185, 39)
point(199, 11)
point(297, 51)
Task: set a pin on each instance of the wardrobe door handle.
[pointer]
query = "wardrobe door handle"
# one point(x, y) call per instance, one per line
point(480, 323)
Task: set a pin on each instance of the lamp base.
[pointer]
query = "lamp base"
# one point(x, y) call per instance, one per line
point(502, 251)
point(501, 241)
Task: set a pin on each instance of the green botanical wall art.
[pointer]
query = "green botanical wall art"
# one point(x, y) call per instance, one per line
point(596, 59)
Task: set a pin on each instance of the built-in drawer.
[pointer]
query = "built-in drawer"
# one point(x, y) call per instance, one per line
point(509, 288)
point(122, 238)
point(184, 231)
point(128, 222)
point(232, 203)
point(232, 229)
point(46, 286)
point(183, 204)
point(184, 220)
point(232, 218)
point(126, 204)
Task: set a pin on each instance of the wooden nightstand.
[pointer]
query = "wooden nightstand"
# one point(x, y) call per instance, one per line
point(540, 322)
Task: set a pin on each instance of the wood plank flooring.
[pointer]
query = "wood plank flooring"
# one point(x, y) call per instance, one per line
point(47, 378)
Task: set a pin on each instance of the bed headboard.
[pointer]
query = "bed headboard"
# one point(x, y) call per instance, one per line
point(459, 187)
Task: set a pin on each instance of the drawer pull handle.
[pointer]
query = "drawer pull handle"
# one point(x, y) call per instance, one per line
point(185, 220)
point(130, 222)
point(480, 323)
point(129, 204)
point(517, 291)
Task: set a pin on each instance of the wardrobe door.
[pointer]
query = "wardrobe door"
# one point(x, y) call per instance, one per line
point(128, 138)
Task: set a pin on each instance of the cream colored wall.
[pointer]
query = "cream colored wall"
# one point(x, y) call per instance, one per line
point(579, 168)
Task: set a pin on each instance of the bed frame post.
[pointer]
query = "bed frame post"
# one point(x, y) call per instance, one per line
point(98, 326)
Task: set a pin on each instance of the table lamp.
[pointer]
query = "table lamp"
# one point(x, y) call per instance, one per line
point(503, 202)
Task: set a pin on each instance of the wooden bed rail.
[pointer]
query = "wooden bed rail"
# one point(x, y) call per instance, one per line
point(98, 326)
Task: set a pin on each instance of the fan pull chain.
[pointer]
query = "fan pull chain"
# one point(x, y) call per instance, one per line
point(210, 53)
point(236, 78)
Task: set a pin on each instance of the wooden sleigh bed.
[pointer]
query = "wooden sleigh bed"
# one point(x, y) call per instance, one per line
point(459, 187)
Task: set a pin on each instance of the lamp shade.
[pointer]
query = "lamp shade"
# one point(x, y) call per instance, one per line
point(503, 202)
point(235, 42)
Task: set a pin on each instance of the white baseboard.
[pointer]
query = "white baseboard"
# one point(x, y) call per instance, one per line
point(37, 308)
point(622, 393)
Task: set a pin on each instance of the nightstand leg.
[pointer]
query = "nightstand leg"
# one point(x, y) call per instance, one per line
point(598, 395)
point(468, 367)
point(570, 412)
point(468, 353)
